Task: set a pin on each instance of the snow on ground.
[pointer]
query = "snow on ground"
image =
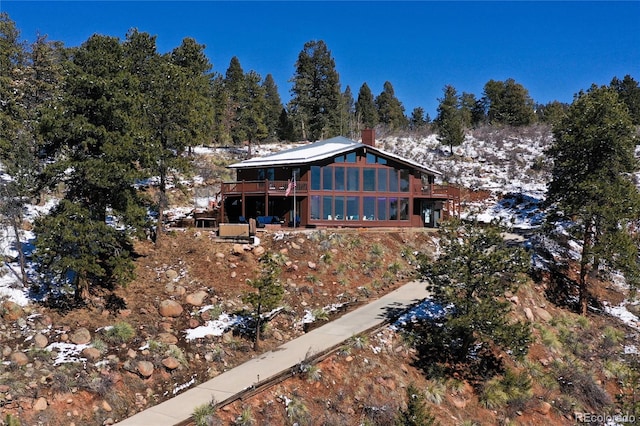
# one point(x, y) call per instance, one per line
point(215, 327)
point(621, 312)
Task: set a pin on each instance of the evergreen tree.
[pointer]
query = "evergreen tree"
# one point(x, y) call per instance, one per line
point(629, 93)
point(235, 87)
point(449, 121)
point(471, 109)
point(508, 103)
point(417, 412)
point(470, 277)
point(390, 109)
point(552, 112)
point(273, 106)
point(268, 292)
point(286, 132)
point(347, 114)
point(366, 111)
point(90, 145)
point(251, 117)
point(418, 119)
point(316, 98)
point(593, 163)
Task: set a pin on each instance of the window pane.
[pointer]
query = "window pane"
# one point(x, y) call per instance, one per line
point(271, 173)
point(315, 178)
point(339, 178)
point(368, 208)
point(351, 157)
point(404, 180)
point(327, 207)
point(353, 205)
point(353, 179)
point(339, 208)
point(381, 160)
point(339, 159)
point(371, 158)
point(369, 179)
point(393, 180)
point(261, 174)
point(327, 178)
point(382, 208)
point(404, 209)
point(315, 207)
point(382, 180)
point(393, 208)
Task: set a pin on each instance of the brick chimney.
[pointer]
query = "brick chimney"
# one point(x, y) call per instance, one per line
point(369, 137)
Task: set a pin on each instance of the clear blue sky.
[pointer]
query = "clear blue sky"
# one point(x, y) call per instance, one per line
point(554, 49)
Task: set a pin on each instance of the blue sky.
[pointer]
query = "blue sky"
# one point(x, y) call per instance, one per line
point(554, 49)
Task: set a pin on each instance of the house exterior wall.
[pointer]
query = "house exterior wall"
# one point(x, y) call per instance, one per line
point(359, 189)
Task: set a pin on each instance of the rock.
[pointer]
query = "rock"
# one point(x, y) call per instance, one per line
point(106, 407)
point(543, 314)
point(278, 336)
point(92, 354)
point(312, 265)
point(40, 404)
point(167, 338)
point(234, 274)
point(197, 298)
point(284, 250)
point(514, 300)
point(4, 388)
point(132, 354)
point(171, 274)
point(6, 351)
point(193, 323)
point(258, 251)
point(220, 255)
point(81, 336)
point(238, 249)
point(40, 341)
point(459, 402)
point(171, 363)
point(11, 311)
point(544, 408)
point(349, 358)
point(170, 308)
point(529, 314)
point(295, 246)
point(145, 368)
point(19, 358)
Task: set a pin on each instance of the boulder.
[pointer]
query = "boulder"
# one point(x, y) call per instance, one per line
point(41, 404)
point(92, 354)
point(11, 311)
point(19, 358)
point(167, 338)
point(529, 314)
point(197, 298)
point(145, 368)
point(312, 265)
point(40, 341)
point(238, 249)
point(259, 251)
point(543, 314)
point(170, 363)
point(171, 274)
point(170, 308)
point(81, 336)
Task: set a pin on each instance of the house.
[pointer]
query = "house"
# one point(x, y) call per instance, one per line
point(337, 182)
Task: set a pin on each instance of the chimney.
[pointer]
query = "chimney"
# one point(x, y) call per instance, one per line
point(369, 137)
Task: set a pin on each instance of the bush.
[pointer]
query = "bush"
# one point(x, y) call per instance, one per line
point(202, 414)
point(120, 332)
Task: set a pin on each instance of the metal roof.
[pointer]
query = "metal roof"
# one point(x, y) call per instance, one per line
point(321, 150)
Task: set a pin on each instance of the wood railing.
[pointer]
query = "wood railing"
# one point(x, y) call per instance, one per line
point(273, 187)
point(448, 192)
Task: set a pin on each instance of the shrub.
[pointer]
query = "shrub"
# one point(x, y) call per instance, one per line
point(202, 414)
point(245, 418)
point(434, 392)
point(298, 413)
point(581, 385)
point(120, 332)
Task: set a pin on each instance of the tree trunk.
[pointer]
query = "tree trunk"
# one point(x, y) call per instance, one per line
point(21, 259)
point(583, 290)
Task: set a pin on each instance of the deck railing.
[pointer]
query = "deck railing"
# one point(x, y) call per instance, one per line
point(273, 187)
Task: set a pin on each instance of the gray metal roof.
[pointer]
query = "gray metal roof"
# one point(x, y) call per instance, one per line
point(321, 150)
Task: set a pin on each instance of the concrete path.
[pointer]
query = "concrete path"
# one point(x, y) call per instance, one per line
point(281, 359)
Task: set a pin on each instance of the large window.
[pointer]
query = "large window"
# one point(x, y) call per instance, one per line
point(353, 208)
point(382, 180)
point(393, 180)
point(404, 180)
point(381, 204)
point(315, 207)
point(339, 186)
point(327, 178)
point(368, 208)
point(353, 179)
point(368, 179)
point(315, 178)
point(327, 207)
point(338, 208)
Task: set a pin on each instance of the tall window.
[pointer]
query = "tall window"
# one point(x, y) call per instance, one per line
point(353, 179)
point(382, 180)
point(339, 186)
point(368, 179)
point(368, 208)
point(315, 178)
point(327, 178)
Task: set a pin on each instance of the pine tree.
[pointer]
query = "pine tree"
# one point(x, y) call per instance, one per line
point(347, 114)
point(268, 292)
point(273, 106)
point(316, 98)
point(251, 117)
point(418, 119)
point(508, 103)
point(449, 121)
point(417, 413)
point(471, 276)
point(629, 93)
point(592, 184)
point(366, 111)
point(390, 109)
